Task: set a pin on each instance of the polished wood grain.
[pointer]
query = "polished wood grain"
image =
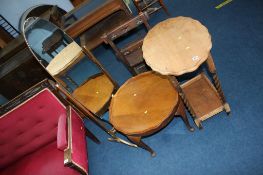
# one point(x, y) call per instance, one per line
point(180, 45)
point(203, 97)
point(95, 93)
point(100, 20)
point(143, 103)
point(176, 46)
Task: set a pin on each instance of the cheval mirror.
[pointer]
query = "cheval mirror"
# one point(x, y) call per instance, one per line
point(62, 56)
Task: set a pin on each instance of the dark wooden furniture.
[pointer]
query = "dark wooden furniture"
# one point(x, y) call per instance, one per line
point(7, 32)
point(149, 6)
point(53, 42)
point(19, 70)
point(5, 38)
point(131, 54)
point(181, 45)
point(145, 104)
point(93, 24)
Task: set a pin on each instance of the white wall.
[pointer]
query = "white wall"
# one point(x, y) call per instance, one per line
point(13, 9)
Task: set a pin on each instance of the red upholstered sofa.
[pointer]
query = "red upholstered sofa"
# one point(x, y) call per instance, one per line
point(41, 136)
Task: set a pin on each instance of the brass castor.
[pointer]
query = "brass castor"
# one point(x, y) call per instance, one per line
point(227, 108)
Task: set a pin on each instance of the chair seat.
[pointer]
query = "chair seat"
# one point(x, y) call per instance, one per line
point(95, 93)
point(143, 104)
point(65, 59)
point(48, 160)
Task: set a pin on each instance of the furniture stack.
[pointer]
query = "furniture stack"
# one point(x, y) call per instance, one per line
point(142, 106)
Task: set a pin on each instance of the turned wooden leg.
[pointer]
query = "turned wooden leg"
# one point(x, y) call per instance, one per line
point(137, 140)
point(212, 69)
point(185, 100)
point(181, 112)
point(164, 7)
point(182, 95)
point(91, 136)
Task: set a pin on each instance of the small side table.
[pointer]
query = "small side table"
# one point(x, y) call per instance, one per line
point(145, 104)
point(181, 45)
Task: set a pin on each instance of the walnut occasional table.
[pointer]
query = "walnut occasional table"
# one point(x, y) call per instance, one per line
point(145, 104)
point(181, 45)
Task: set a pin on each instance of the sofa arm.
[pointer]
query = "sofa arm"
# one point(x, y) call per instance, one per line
point(62, 140)
point(75, 155)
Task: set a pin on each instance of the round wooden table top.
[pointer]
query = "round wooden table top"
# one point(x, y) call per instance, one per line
point(95, 93)
point(176, 46)
point(143, 104)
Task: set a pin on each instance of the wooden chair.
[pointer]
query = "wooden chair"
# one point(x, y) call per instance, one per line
point(148, 5)
point(131, 54)
point(52, 43)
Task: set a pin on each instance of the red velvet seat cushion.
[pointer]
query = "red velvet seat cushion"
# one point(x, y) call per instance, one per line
point(46, 161)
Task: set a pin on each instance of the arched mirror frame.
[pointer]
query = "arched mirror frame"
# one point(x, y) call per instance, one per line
point(85, 51)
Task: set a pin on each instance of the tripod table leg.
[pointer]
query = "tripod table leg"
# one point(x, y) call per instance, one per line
point(137, 140)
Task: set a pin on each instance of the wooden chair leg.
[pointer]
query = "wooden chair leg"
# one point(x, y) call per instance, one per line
point(181, 112)
point(164, 7)
point(91, 136)
point(137, 140)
